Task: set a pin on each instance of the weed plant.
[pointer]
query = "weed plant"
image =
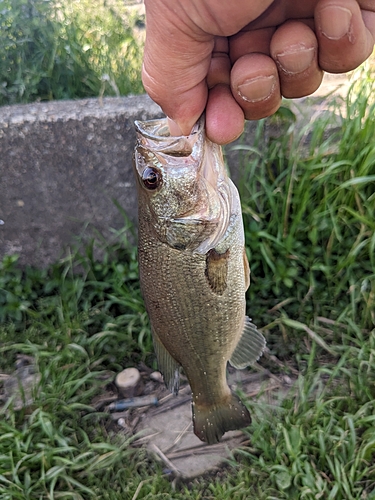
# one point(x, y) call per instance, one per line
point(68, 49)
point(309, 220)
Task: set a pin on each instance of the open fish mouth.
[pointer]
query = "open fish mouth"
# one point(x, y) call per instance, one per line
point(155, 135)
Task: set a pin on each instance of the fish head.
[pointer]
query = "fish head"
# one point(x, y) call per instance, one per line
point(183, 188)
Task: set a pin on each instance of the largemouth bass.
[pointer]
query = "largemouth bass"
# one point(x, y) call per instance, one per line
point(193, 271)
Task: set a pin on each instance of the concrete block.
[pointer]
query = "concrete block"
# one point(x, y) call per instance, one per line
point(62, 165)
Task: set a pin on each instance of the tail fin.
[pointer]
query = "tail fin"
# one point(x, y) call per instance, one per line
point(211, 422)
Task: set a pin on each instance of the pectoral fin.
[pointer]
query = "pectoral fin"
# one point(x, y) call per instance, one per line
point(250, 346)
point(217, 270)
point(168, 366)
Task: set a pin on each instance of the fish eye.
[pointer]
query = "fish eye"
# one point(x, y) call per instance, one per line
point(151, 178)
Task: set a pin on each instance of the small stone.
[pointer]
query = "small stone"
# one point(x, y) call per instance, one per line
point(156, 376)
point(121, 422)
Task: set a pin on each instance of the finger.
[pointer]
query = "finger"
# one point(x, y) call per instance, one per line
point(183, 102)
point(220, 66)
point(183, 105)
point(294, 48)
point(255, 85)
point(249, 41)
point(224, 117)
point(344, 40)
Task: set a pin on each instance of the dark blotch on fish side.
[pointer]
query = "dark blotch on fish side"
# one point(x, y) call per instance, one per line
point(217, 270)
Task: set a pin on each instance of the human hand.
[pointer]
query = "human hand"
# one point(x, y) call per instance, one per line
point(237, 59)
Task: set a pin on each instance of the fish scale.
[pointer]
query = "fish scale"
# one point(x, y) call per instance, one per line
point(194, 272)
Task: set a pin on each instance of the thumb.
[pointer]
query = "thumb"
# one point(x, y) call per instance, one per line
point(175, 65)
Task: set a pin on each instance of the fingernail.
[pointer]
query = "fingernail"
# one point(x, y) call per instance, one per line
point(336, 22)
point(296, 59)
point(257, 89)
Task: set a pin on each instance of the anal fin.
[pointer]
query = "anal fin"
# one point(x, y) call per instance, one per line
point(168, 366)
point(250, 346)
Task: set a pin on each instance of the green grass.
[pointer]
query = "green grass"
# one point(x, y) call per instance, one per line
point(309, 222)
point(309, 214)
point(68, 49)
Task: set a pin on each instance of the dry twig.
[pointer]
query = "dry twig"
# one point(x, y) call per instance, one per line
point(166, 460)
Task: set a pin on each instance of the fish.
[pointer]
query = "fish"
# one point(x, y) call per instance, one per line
point(193, 271)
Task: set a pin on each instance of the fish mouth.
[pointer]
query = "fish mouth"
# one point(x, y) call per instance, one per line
point(155, 134)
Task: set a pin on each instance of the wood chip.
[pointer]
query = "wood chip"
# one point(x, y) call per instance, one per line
point(129, 383)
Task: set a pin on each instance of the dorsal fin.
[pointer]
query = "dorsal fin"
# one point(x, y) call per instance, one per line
point(168, 366)
point(250, 346)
